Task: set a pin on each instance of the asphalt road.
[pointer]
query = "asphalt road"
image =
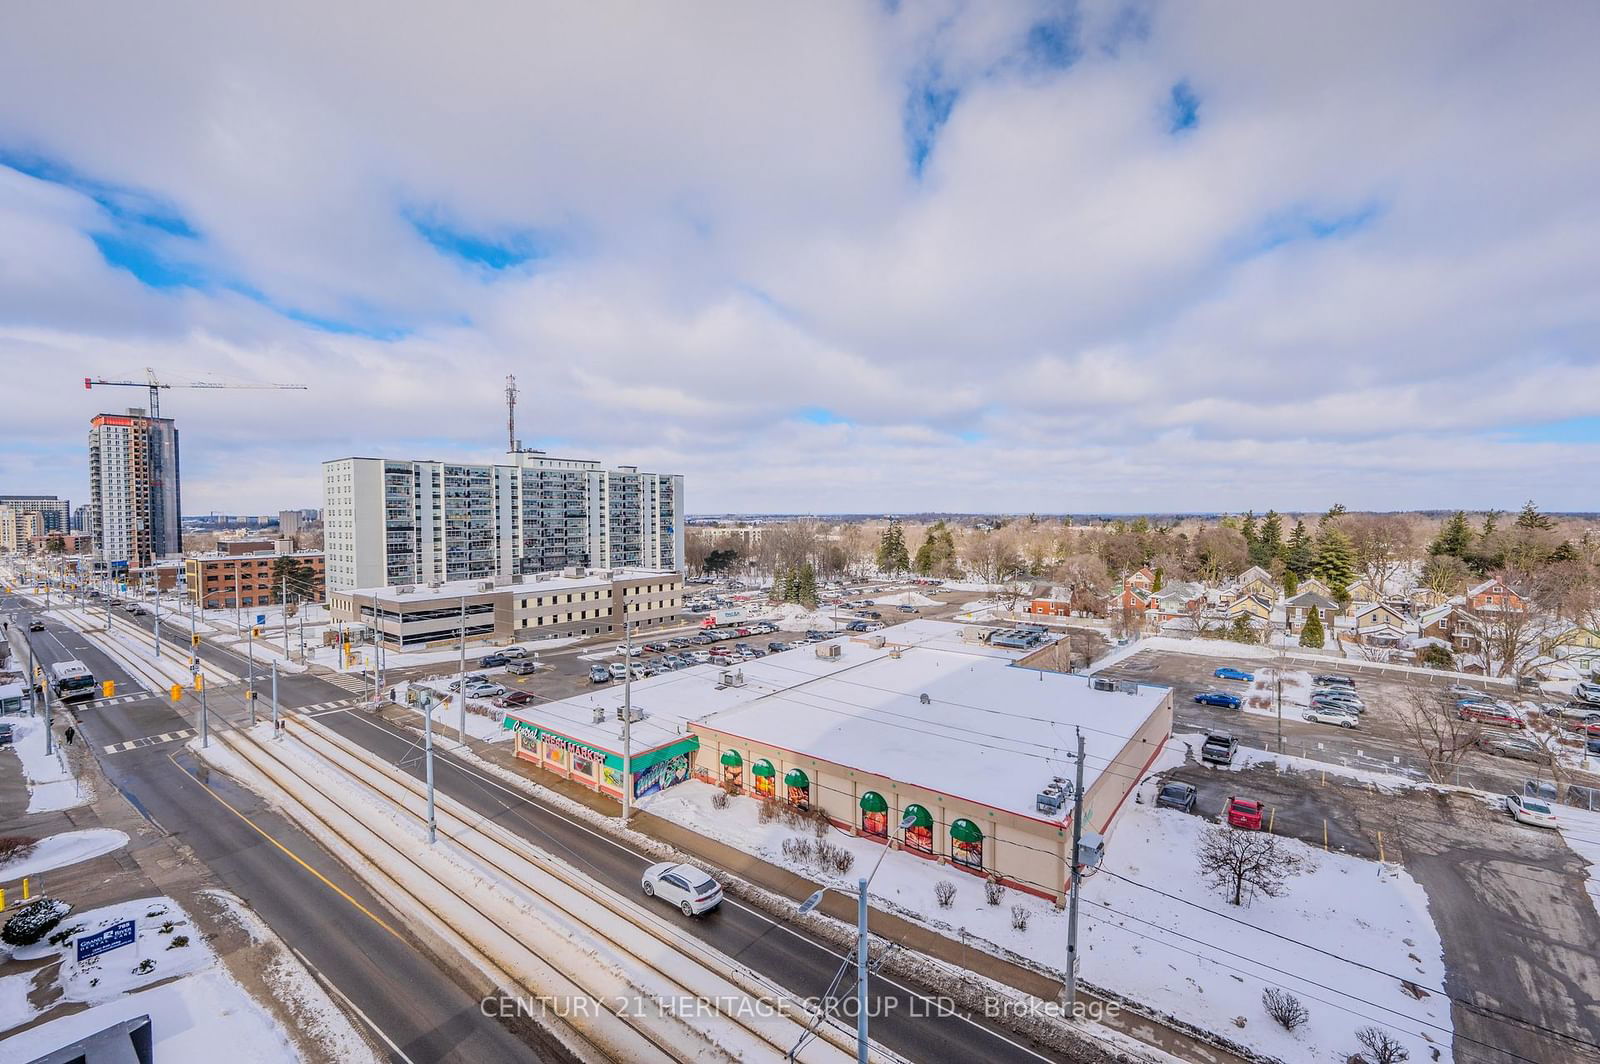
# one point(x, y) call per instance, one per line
point(419, 1008)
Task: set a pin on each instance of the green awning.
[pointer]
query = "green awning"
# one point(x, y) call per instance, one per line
point(762, 768)
point(796, 778)
point(872, 802)
point(731, 758)
point(921, 817)
point(966, 831)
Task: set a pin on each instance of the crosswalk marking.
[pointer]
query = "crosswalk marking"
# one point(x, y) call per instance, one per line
point(150, 740)
point(353, 684)
point(323, 707)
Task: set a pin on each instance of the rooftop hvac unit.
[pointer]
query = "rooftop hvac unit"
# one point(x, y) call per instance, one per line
point(732, 678)
point(569, 573)
point(599, 714)
point(540, 578)
point(485, 585)
point(1102, 683)
point(434, 585)
point(875, 642)
point(405, 589)
point(828, 650)
point(636, 712)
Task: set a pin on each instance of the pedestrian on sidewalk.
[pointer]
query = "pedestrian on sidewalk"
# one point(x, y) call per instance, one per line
point(70, 734)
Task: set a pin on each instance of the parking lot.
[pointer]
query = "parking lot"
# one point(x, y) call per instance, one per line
point(1379, 744)
point(1511, 902)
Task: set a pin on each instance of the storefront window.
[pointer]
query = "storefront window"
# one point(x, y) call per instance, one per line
point(732, 771)
point(919, 836)
point(582, 766)
point(797, 787)
point(554, 754)
point(966, 844)
point(874, 814)
point(766, 778)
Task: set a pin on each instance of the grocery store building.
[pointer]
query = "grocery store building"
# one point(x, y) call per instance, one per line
point(923, 720)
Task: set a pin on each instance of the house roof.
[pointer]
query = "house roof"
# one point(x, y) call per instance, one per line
point(1309, 599)
point(1255, 572)
point(1371, 606)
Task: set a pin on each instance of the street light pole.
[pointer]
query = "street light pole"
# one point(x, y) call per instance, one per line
point(427, 745)
point(627, 714)
point(461, 677)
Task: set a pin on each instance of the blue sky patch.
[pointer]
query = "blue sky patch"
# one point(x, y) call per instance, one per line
point(1304, 223)
point(1052, 42)
point(927, 108)
point(140, 258)
point(1567, 430)
point(126, 205)
point(497, 251)
point(1183, 108)
point(818, 415)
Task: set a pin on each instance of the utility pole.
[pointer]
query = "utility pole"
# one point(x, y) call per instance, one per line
point(250, 691)
point(861, 972)
point(1070, 997)
point(427, 745)
point(155, 628)
point(274, 698)
point(461, 676)
point(627, 714)
point(1279, 671)
point(283, 605)
point(200, 682)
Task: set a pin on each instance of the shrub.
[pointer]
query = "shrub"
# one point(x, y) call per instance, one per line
point(719, 800)
point(798, 850)
point(843, 860)
point(178, 942)
point(766, 811)
point(819, 824)
point(15, 847)
point(144, 967)
point(1284, 1007)
point(1380, 1047)
point(70, 931)
point(1019, 917)
point(33, 921)
point(167, 927)
point(993, 892)
point(944, 892)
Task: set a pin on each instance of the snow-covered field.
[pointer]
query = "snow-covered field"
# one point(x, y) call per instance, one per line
point(51, 784)
point(1348, 906)
point(66, 848)
point(202, 1014)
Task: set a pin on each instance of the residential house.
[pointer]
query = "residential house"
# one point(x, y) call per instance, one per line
point(1449, 624)
point(1298, 609)
point(1376, 625)
point(1175, 601)
point(1426, 598)
point(1312, 584)
point(1492, 595)
point(1578, 647)
point(1258, 607)
point(1143, 577)
point(1361, 591)
point(1128, 598)
point(1051, 602)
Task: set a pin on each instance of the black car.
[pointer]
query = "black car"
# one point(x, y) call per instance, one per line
point(36, 626)
point(1179, 796)
point(1329, 679)
point(778, 647)
point(5, 734)
point(813, 634)
point(490, 661)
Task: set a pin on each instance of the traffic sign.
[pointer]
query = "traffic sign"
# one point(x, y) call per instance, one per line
point(261, 618)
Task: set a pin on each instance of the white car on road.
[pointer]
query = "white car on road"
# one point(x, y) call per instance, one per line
point(484, 690)
point(629, 651)
point(1329, 715)
point(682, 885)
point(1532, 811)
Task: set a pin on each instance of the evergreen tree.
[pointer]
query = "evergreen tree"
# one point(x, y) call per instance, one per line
point(1155, 583)
point(1435, 656)
point(937, 552)
point(1241, 631)
point(1251, 534)
point(892, 555)
point(1335, 511)
point(1454, 538)
point(1269, 541)
point(1311, 633)
point(1297, 556)
point(1336, 560)
point(805, 586)
point(1532, 519)
point(1291, 584)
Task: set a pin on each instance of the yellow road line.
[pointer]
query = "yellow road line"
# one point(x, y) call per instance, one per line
point(290, 853)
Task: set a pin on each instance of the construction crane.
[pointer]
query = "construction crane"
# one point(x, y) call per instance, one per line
point(155, 387)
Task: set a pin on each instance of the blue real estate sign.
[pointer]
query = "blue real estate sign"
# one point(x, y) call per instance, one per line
point(113, 937)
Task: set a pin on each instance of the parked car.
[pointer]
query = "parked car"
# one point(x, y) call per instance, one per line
point(1344, 718)
point(1500, 718)
point(701, 657)
point(814, 635)
point(1219, 698)
point(6, 734)
point(1577, 711)
point(1244, 813)
point(629, 651)
point(856, 626)
point(522, 667)
point(1588, 692)
point(483, 689)
point(872, 626)
point(908, 609)
point(1331, 679)
point(778, 646)
point(1179, 796)
point(1228, 672)
point(1219, 748)
point(640, 672)
point(514, 652)
point(491, 661)
point(513, 698)
point(657, 648)
point(1534, 811)
point(1461, 690)
point(1329, 699)
point(138, 611)
point(1513, 747)
point(617, 669)
point(599, 674)
point(683, 885)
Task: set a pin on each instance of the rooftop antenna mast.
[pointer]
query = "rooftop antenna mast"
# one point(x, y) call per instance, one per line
point(511, 412)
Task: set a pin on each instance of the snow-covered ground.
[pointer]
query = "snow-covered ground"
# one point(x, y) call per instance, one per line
point(201, 1014)
point(1261, 698)
point(51, 784)
point(58, 851)
point(483, 718)
point(1581, 830)
point(1348, 906)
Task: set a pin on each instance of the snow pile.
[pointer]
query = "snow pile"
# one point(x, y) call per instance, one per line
point(908, 598)
point(793, 617)
point(58, 851)
point(15, 1008)
point(51, 784)
point(1262, 696)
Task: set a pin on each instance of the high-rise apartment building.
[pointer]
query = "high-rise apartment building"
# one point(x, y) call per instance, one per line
point(133, 488)
point(388, 521)
point(55, 514)
point(82, 518)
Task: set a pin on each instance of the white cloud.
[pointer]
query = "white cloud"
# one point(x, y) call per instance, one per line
point(1070, 308)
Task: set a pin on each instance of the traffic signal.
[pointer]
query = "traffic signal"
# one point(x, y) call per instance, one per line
point(177, 692)
point(194, 640)
point(199, 681)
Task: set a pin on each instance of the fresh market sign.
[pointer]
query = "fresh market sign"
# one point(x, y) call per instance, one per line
point(569, 745)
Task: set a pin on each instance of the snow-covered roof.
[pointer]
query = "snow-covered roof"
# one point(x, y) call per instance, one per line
point(991, 732)
point(1308, 599)
point(1255, 572)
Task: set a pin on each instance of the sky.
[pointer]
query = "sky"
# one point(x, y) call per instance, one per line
point(834, 257)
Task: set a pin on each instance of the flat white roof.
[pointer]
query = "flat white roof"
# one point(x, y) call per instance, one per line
point(531, 585)
point(991, 732)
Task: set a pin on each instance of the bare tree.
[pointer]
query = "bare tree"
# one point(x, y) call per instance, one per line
point(1194, 615)
point(1239, 862)
point(1384, 545)
point(992, 556)
point(1380, 1047)
point(791, 544)
point(1438, 734)
point(1445, 575)
point(1507, 640)
point(1219, 553)
point(1284, 1007)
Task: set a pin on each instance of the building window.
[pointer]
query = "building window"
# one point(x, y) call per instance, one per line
point(765, 778)
point(874, 815)
point(797, 788)
point(919, 836)
point(966, 844)
point(732, 771)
